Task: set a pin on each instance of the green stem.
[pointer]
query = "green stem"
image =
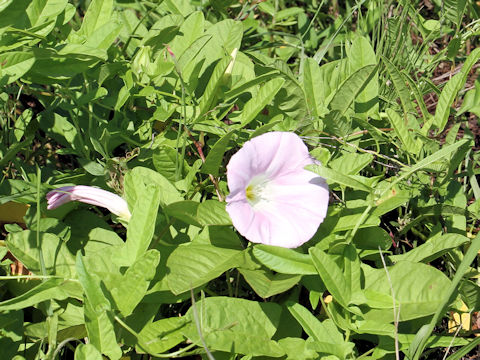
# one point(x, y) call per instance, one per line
point(182, 126)
point(360, 221)
point(39, 247)
point(35, 277)
point(50, 319)
point(366, 353)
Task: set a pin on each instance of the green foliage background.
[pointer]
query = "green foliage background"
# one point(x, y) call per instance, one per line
point(150, 99)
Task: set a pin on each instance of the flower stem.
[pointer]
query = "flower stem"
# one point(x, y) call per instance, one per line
point(198, 146)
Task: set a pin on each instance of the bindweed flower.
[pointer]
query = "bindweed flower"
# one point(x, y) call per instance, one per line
point(273, 200)
point(89, 195)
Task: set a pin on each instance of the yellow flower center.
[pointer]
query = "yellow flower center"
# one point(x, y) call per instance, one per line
point(250, 193)
point(259, 191)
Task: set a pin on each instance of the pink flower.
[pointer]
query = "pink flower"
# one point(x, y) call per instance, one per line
point(89, 195)
point(273, 200)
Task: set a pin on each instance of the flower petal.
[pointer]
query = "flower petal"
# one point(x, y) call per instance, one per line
point(272, 154)
point(301, 203)
point(88, 195)
point(303, 189)
point(293, 217)
point(242, 215)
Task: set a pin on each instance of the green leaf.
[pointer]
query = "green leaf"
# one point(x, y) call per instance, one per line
point(87, 352)
point(348, 91)
point(139, 177)
point(418, 289)
point(328, 339)
point(352, 271)
point(242, 326)
point(375, 327)
point(185, 211)
point(471, 103)
point(191, 29)
point(215, 155)
point(350, 163)
point(400, 87)
point(346, 217)
point(451, 89)
point(98, 14)
point(290, 101)
point(433, 248)
point(335, 177)
point(63, 63)
point(212, 212)
point(61, 130)
point(13, 150)
point(19, 190)
point(100, 330)
point(162, 31)
point(57, 289)
point(162, 335)
point(164, 159)
point(403, 132)
point(332, 276)
point(288, 12)
point(142, 224)
point(91, 286)
point(248, 85)
point(277, 119)
point(13, 14)
point(207, 101)
point(41, 11)
point(187, 182)
point(257, 103)
point(387, 343)
point(98, 319)
point(371, 238)
point(267, 284)
point(420, 101)
point(57, 257)
point(220, 236)
point(360, 54)
point(226, 36)
point(90, 233)
point(297, 348)
point(92, 95)
point(267, 8)
point(441, 154)
point(454, 10)
point(457, 355)
point(283, 260)
point(179, 7)
point(313, 86)
point(14, 65)
point(3, 250)
point(104, 36)
point(134, 285)
point(192, 265)
point(190, 56)
point(11, 327)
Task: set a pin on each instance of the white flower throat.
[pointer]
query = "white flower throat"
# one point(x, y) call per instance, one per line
point(259, 192)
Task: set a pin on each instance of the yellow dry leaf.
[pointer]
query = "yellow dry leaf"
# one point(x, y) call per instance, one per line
point(13, 212)
point(464, 318)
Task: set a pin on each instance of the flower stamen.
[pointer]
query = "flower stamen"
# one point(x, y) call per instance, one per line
point(250, 192)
